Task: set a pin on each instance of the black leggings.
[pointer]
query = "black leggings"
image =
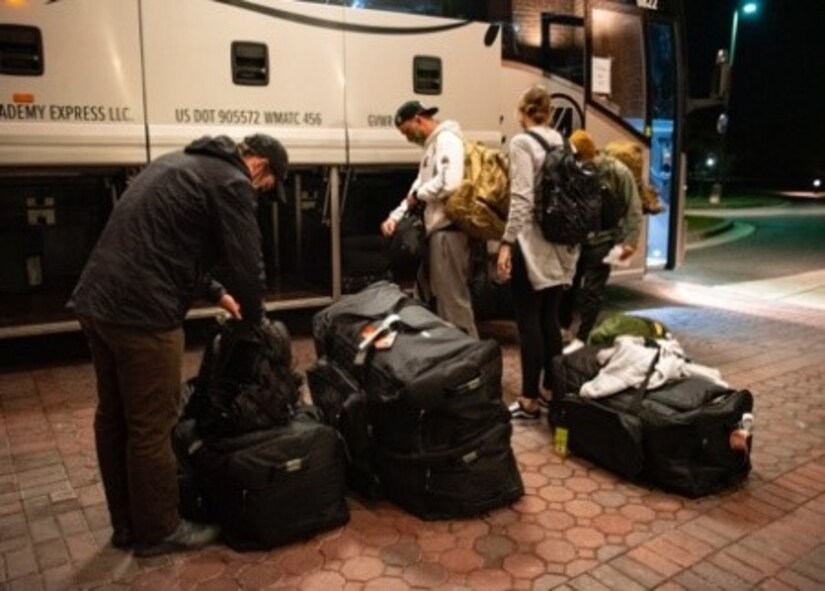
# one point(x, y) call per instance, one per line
point(537, 317)
point(587, 293)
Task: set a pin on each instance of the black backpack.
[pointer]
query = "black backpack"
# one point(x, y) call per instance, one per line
point(245, 382)
point(568, 200)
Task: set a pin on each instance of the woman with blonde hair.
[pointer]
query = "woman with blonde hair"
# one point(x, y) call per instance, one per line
point(539, 270)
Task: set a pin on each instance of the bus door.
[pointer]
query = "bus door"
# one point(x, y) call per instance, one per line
point(661, 75)
point(633, 86)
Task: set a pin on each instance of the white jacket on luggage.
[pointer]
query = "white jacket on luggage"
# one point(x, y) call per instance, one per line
point(626, 363)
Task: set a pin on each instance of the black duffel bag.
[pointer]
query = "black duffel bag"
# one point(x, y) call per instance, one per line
point(676, 437)
point(267, 487)
point(407, 247)
point(432, 389)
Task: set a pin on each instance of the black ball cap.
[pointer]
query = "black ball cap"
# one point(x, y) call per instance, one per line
point(268, 147)
point(271, 149)
point(411, 109)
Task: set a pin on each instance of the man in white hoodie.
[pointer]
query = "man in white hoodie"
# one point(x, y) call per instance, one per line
point(446, 273)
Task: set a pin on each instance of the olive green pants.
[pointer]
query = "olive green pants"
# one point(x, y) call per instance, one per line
point(138, 386)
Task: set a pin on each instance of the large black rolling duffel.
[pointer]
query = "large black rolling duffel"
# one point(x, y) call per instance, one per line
point(434, 398)
point(433, 389)
point(677, 437)
point(269, 487)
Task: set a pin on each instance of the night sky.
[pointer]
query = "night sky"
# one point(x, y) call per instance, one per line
point(777, 112)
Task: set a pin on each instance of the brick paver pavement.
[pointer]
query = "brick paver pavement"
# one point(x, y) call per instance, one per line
point(577, 527)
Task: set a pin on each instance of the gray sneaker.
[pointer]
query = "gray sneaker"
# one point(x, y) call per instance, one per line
point(188, 536)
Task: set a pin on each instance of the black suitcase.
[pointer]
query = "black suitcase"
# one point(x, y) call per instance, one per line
point(270, 487)
point(434, 389)
point(344, 405)
point(465, 481)
point(676, 437)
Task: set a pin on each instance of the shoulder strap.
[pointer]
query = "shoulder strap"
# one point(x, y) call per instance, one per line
point(641, 390)
point(544, 143)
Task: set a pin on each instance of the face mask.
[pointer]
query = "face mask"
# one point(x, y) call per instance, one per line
point(263, 180)
point(417, 137)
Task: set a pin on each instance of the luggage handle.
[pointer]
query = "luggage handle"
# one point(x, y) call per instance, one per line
point(641, 390)
point(391, 322)
point(366, 343)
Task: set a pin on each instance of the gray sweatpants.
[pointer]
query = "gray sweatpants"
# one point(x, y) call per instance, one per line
point(447, 276)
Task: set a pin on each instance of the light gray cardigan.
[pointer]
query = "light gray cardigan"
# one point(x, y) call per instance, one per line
point(548, 264)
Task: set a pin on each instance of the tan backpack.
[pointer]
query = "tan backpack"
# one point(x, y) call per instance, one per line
point(480, 205)
point(630, 153)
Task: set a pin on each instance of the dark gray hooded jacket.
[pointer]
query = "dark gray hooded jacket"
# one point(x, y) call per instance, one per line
point(180, 217)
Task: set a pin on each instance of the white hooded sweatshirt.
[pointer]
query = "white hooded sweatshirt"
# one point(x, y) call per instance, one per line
point(439, 175)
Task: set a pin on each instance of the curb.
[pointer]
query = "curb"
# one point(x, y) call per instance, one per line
point(711, 231)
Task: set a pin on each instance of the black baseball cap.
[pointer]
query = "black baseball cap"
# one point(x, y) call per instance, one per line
point(268, 147)
point(411, 109)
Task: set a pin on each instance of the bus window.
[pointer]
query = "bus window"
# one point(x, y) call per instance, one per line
point(563, 42)
point(542, 33)
point(617, 82)
point(662, 70)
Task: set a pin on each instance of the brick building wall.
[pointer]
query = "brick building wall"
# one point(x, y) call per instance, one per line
point(527, 16)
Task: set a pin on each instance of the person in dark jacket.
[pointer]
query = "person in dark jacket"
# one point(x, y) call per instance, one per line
point(586, 295)
point(181, 216)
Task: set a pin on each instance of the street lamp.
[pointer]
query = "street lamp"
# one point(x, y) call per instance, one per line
point(710, 161)
point(747, 9)
point(726, 62)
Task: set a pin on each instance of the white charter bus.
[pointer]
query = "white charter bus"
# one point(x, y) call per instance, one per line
point(92, 90)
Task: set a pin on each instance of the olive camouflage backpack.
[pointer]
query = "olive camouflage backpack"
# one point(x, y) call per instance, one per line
point(479, 207)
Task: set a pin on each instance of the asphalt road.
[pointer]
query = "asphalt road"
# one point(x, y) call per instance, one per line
point(764, 243)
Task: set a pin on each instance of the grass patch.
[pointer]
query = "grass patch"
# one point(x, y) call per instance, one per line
point(734, 201)
point(697, 223)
